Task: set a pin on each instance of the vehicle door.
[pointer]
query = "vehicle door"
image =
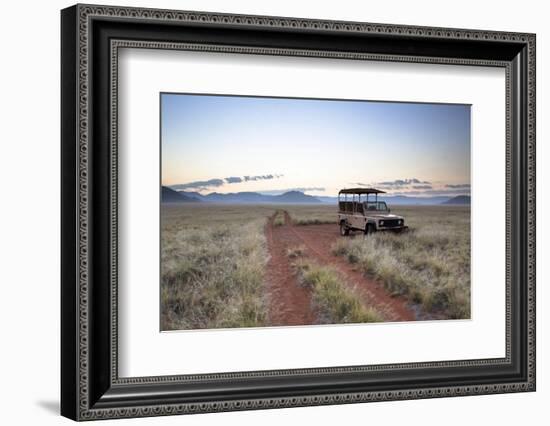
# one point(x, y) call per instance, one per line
point(358, 218)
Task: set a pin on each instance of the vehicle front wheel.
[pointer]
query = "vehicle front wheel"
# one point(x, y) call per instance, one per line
point(344, 230)
point(369, 229)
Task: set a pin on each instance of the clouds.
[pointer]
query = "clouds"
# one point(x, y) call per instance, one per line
point(438, 190)
point(203, 185)
point(417, 187)
point(433, 193)
point(399, 183)
point(261, 177)
point(198, 185)
point(233, 179)
point(239, 179)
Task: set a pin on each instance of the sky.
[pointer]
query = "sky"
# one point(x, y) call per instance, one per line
point(227, 144)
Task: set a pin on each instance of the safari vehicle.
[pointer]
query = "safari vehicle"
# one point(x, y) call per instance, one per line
point(361, 214)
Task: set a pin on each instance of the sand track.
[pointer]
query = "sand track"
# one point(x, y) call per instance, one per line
point(291, 303)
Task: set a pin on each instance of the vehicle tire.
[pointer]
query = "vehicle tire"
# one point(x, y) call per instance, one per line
point(344, 230)
point(370, 229)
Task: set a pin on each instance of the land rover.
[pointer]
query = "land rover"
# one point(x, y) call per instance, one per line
point(356, 213)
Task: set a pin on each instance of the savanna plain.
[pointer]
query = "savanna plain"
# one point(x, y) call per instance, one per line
point(227, 266)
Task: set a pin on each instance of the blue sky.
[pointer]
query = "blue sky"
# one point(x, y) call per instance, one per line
point(271, 145)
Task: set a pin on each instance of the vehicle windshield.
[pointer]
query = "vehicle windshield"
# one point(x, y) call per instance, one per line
point(375, 205)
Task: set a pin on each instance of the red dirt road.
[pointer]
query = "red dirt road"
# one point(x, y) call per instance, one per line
point(291, 303)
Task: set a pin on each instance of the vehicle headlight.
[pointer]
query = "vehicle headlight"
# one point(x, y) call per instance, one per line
point(400, 222)
point(381, 223)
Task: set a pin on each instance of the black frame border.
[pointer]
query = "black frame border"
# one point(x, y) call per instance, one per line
point(90, 387)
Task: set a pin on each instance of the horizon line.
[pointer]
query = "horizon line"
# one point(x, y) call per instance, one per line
point(283, 192)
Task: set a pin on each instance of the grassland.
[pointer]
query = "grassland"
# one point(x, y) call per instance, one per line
point(212, 266)
point(315, 214)
point(430, 265)
point(214, 259)
point(335, 301)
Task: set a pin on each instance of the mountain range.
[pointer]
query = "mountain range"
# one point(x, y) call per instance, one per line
point(459, 200)
point(171, 196)
point(297, 197)
point(290, 197)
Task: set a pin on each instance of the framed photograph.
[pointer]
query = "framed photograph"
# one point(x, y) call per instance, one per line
point(263, 212)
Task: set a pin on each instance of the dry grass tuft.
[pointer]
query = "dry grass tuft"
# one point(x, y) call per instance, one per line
point(335, 301)
point(279, 218)
point(296, 252)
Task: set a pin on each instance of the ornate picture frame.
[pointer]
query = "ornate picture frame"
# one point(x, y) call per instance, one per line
point(91, 37)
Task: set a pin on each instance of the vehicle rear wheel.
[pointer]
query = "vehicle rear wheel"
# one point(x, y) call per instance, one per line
point(369, 229)
point(344, 230)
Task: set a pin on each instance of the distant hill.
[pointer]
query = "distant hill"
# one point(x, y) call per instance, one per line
point(237, 197)
point(195, 195)
point(402, 200)
point(290, 197)
point(170, 196)
point(397, 200)
point(459, 200)
point(295, 197)
point(298, 197)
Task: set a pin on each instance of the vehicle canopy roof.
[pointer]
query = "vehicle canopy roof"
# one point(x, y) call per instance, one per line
point(361, 191)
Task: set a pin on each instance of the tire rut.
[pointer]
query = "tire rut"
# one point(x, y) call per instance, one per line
point(290, 303)
point(318, 240)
